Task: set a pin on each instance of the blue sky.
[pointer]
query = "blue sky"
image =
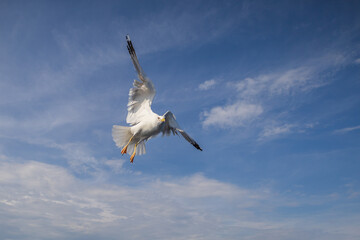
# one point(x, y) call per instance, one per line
point(269, 89)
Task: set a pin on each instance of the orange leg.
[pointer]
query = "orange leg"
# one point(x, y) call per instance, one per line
point(133, 155)
point(123, 151)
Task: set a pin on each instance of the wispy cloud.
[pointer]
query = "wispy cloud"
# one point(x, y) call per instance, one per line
point(276, 130)
point(48, 197)
point(262, 89)
point(39, 199)
point(61, 114)
point(348, 129)
point(57, 81)
point(293, 80)
point(207, 84)
point(181, 25)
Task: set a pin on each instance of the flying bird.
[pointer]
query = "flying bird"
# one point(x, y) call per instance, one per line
point(144, 123)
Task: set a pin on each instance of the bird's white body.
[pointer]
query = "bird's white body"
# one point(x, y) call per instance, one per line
point(145, 124)
point(147, 128)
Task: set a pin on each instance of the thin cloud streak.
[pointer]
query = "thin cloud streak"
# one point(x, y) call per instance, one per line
point(181, 26)
point(346, 130)
point(276, 130)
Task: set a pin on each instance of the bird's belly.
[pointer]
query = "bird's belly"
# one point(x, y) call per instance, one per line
point(146, 130)
point(150, 132)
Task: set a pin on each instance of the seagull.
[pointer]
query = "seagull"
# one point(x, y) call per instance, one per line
point(144, 123)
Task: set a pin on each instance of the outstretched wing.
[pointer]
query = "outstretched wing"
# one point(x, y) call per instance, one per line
point(171, 126)
point(142, 94)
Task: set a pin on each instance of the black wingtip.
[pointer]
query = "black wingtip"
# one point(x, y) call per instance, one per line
point(197, 146)
point(130, 46)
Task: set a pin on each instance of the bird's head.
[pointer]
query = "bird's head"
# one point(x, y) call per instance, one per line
point(161, 119)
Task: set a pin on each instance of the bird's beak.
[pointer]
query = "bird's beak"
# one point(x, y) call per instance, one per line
point(163, 120)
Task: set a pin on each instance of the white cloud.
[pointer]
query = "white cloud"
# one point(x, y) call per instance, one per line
point(198, 186)
point(281, 83)
point(298, 78)
point(251, 87)
point(272, 131)
point(232, 115)
point(37, 199)
point(78, 156)
point(345, 130)
point(45, 201)
point(357, 61)
point(292, 80)
point(57, 115)
point(207, 84)
point(262, 89)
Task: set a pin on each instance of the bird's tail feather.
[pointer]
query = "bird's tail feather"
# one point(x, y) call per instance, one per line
point(140, 149)
point(121, 135)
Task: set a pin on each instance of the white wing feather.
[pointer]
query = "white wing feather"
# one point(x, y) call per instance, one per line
point(142, 94)
point(171, 126)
